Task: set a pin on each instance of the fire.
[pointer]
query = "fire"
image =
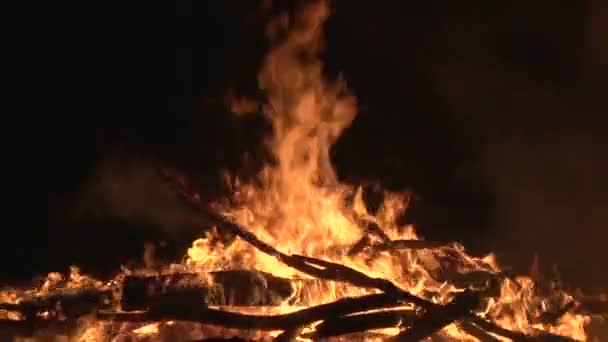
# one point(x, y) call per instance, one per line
point(298, 206)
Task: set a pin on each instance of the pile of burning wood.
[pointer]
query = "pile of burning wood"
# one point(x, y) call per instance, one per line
point(239, 305)
point(292, 259)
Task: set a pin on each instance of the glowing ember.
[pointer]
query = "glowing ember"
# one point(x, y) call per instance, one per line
point(299, 207)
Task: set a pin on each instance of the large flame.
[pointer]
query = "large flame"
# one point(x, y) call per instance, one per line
point(298, 205)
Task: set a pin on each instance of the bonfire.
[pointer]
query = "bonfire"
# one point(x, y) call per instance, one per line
point(295, 254)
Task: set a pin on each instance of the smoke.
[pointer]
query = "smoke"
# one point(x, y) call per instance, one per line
point(130, 189)
point(543, 142)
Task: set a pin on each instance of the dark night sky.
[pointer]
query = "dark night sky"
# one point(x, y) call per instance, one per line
point(493, 114)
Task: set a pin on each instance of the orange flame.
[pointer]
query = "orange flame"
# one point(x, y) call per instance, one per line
point(299, 206)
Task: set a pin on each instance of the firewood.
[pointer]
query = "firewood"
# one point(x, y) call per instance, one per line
point(231, 287)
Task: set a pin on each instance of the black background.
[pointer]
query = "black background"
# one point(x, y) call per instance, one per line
point(492, 112)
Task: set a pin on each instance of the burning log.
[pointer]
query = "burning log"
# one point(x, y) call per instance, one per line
point(233, 287)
